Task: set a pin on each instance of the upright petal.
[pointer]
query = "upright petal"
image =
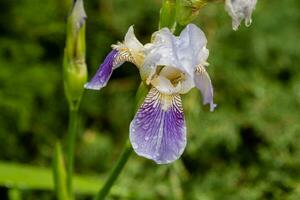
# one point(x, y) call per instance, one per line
point(203, 83)
point(131, 42)
point(192, 47)
point(158, 130)
point(131, 48)
point(104, 72)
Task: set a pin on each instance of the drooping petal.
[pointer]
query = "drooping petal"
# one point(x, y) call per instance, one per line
point(104, 72)
point(131, 50)
point(239, 10)
point(203, 83)
point(158, 130)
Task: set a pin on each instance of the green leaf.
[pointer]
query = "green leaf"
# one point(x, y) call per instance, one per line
point(59, 172)
point(28, 177)
point(14, 194)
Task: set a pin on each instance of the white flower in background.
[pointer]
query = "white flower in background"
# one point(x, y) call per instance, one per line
point(171, 66)
point(239, 10)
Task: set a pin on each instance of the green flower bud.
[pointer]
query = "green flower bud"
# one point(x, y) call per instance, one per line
point(75, 70)
point(187, 10)
point(167, 14)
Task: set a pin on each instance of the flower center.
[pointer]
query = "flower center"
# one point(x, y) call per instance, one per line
point(171, 73)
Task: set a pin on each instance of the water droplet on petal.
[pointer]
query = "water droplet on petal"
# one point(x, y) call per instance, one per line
point(134, 145)
point(146, 138)
point(174, 157)
point(248, 22)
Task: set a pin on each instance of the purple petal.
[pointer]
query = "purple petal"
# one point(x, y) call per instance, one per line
point(158, 130)
point(203, 83)
point(104, 72)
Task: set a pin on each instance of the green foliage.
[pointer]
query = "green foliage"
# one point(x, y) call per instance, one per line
point(25, 177)
point(249, 148)
point(59, 174)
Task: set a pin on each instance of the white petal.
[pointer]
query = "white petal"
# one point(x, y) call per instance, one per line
point(131, 42)
point(192, 47)
point(203, 83)
point(131, 48)
point(239, 10)
point(171, 57)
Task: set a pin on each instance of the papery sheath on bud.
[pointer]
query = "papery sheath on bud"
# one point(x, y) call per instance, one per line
point(75, 70)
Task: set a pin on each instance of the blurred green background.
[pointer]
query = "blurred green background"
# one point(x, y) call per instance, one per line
point(249, 148)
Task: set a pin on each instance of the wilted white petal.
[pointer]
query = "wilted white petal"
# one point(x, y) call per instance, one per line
point(239, 10)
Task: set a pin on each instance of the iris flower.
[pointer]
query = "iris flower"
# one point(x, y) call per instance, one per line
point(239, 10)
point(171, 65)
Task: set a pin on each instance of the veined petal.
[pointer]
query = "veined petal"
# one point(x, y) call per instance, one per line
point(130, 51)
point(104, 72)
point(158, 130)
point(203, 83)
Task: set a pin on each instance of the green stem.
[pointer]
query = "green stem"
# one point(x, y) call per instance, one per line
point(115, 172)
point(72, 129)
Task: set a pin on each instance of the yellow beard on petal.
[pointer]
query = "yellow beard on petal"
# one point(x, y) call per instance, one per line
point(166, 101)
point(138, 58)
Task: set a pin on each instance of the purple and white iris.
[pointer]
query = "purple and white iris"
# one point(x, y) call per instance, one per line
point(239, 10)
point(172, 66)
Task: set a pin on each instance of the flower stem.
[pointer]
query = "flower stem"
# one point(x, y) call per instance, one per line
point(72, 130)
point(115, 172)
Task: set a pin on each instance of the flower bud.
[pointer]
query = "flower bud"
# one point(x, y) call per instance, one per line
point(75, 70)
point(187, 10)
point(167, 14)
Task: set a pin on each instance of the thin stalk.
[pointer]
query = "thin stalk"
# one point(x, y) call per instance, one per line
point(72, 130)
point(115, 172)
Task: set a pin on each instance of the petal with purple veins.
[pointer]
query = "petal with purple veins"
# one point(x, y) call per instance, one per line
point(203, 83)
point(158, 130)
point(104, 72)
